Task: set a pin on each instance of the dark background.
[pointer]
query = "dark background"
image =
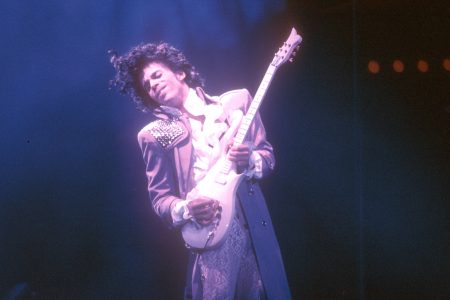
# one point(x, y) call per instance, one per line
point(360, 197)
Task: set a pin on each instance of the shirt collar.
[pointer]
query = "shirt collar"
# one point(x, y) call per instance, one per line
point(194, 104)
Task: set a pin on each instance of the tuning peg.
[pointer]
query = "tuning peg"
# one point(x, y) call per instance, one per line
point(294, 53)
point(291, 59)
point(297, 48)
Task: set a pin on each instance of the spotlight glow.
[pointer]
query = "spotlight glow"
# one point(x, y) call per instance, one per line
point(422, 66)
point(374, 67)
point(398, 66)
point(446, 64)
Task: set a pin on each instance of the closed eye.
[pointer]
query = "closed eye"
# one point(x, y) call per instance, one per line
point(156, 75)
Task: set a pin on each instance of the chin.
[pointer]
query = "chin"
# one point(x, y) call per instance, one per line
point(173, 103)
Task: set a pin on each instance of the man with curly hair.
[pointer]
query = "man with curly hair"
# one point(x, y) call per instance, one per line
point(179, 147)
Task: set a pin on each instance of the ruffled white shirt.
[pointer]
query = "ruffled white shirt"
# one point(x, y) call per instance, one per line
point(206, 143)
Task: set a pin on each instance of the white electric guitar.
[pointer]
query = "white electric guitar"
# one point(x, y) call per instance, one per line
point(222, 180)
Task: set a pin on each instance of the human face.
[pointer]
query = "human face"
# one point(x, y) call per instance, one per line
point(163, 85)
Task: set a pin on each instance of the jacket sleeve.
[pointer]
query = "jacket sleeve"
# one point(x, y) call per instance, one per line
point(161, 177)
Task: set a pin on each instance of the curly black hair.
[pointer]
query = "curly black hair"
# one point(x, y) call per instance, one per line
point(130, 65)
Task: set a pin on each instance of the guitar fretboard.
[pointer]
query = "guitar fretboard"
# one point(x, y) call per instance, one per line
point(251, 112)
point(254, 106)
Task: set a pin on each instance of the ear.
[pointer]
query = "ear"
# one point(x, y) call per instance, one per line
point(180, 75)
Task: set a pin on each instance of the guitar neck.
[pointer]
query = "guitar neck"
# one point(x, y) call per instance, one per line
point(284, 54)
point(254, 106)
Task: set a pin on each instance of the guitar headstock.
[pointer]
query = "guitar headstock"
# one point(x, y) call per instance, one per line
point(288, 50)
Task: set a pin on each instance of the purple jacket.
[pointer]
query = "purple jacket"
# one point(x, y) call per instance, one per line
point(167, 152)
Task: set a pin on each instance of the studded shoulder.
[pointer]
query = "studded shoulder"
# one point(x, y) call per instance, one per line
point(165, 132)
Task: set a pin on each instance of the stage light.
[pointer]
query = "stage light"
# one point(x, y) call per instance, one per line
point(423, 66)
point(446, 64)
point(398, 66)
point(373, 66)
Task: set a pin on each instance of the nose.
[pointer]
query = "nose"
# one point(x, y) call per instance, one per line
point(154, 85)
point(150, 85)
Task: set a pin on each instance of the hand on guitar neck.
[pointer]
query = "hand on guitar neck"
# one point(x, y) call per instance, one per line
point(240, 154)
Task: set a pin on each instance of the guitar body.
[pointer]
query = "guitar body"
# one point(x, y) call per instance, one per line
point(221, 187)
